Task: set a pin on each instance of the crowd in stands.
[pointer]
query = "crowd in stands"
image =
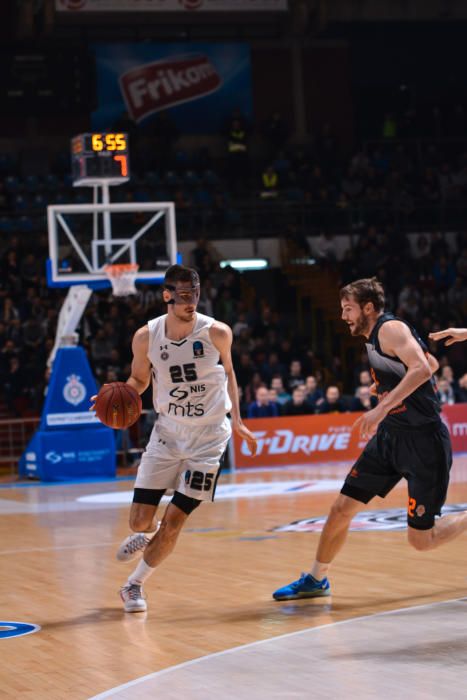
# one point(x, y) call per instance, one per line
point(278, 370)
point(382, 181)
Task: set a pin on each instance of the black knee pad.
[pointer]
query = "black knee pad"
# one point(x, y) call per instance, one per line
point(149, 497)
point(185, 503)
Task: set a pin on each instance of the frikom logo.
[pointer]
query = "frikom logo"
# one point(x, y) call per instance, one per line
point(74, 390)
point(285, 441)
point(156, 86)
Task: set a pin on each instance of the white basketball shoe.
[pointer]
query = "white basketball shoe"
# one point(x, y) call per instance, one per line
point(134, 545)
point(133, 598)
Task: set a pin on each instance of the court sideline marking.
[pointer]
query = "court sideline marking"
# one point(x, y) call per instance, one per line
point(272, 640)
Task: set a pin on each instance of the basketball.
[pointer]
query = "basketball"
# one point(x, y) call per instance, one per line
point(118, 405)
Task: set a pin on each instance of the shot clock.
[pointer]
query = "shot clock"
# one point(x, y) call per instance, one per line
point(100, 157)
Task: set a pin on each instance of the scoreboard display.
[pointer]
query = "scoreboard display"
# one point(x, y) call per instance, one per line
point(100, 157)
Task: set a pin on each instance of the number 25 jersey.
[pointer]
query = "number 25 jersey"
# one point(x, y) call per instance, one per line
point(189, 384)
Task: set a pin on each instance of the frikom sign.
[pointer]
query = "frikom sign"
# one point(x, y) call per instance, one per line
point(156, 86)
point(198, 84)
point(328, 438)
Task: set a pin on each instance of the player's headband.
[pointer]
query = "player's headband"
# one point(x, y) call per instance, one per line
point(183, 295)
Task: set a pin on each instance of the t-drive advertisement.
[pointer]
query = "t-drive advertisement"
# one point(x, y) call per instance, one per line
point(329, 438)
point(201, 84)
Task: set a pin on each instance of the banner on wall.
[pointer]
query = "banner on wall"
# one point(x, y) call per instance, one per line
point(455, 417)
point(316, 439)
point(170, 5)
point(201, 84)
point(300, 440)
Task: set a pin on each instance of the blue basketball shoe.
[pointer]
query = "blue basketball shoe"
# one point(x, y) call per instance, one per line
point(306, 587)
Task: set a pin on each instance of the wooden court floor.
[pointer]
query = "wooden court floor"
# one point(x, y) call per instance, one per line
point(57, 553)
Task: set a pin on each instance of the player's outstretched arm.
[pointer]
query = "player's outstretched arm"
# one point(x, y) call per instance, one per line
point(453, 335)
point(221, 336)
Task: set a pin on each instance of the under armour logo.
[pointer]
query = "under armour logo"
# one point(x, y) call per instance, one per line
point(164, 347)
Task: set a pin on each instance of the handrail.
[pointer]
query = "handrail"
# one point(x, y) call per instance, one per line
point(27, 419)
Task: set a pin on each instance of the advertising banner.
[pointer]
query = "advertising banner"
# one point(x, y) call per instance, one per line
point(455, 418)
point(170, 5)
point(316, 439)
point(201, 84)
point(63, 455)
point(69, 392)
point(300, 440)
point(71, 443)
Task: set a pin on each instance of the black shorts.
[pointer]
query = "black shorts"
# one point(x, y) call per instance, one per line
point(422, 456)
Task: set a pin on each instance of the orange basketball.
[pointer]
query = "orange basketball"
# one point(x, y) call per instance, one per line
point(118, 405)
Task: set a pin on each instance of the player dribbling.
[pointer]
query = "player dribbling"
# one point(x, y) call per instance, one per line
point(192, 393)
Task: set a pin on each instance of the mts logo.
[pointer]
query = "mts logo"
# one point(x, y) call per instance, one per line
point(188, 410)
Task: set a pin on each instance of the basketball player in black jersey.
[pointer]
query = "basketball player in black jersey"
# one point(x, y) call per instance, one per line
point(407, 438)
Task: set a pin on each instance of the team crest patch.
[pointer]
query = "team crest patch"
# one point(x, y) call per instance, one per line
point(164, 355)
point(420, 510)
point(74, 391)
point(198, 349)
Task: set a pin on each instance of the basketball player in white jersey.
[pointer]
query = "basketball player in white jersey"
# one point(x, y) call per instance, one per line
point(192, 394)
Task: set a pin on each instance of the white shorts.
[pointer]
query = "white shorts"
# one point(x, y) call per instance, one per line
point(184, 458)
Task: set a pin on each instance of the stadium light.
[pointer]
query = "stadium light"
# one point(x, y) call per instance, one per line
point(243, 264)
point(303, 261)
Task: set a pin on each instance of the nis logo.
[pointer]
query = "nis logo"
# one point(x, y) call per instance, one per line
point(279, 442)
point(156, 86)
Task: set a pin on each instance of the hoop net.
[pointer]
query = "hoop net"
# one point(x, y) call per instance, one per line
point(122, 278)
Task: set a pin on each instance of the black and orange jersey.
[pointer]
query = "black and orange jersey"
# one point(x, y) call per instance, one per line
point(422, 406)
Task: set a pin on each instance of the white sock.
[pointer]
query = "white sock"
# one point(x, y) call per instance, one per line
point(319, 570)
point(142, 572)
point(148, 535)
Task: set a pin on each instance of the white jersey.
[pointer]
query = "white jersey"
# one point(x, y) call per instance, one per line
point(189, 384)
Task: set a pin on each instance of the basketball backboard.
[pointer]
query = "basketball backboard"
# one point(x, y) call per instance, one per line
point(84, 238)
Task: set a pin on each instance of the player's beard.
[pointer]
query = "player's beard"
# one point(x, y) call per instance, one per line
point(361, 325)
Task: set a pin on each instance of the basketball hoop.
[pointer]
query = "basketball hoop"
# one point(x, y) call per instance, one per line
point(122, 278)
